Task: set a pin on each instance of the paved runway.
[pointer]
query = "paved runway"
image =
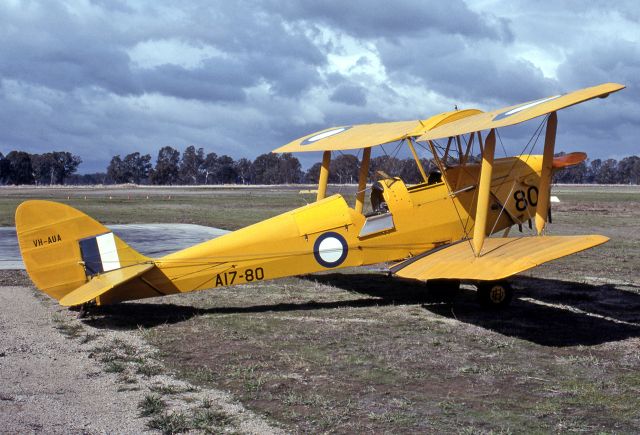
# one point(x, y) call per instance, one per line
point(153, 240)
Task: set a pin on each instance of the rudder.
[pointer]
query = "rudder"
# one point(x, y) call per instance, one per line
point(62, 247)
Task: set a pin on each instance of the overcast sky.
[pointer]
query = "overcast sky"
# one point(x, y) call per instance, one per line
point(106, 77)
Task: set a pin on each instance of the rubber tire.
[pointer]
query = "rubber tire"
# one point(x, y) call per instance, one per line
point(494, 294)
point(443, 290)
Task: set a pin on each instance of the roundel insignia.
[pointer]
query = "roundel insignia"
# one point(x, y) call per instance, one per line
point(330, 249)
point(522, 107)
point(324, 135)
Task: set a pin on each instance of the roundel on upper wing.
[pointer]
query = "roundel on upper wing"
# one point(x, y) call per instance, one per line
point(324, 135)
point(526, 106)
point(330, 249)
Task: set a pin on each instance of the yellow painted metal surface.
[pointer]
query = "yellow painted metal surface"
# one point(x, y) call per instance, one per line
point(101, 284)
point(49, 234)
point(544, 188)
point(502, 257)
point(324, 176)
point(363, 176)
point(417, 160)
point(484, 193)
point(328, 214)
point(518, 113)
point(446, 118)
point(351, 137)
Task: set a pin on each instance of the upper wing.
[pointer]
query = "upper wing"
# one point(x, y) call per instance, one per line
point(349, 137)
point(501, 258)
point(518, 113)
point(446, 124)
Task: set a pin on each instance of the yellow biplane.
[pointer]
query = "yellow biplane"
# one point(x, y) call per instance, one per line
point(437, 230)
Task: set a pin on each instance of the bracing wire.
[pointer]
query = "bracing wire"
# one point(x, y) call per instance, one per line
point(532, 143)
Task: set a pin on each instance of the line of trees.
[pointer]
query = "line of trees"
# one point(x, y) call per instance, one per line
point(610, 171)
point(194, 166)
point(19, 167)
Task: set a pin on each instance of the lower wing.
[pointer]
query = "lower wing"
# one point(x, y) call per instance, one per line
point(501, 257)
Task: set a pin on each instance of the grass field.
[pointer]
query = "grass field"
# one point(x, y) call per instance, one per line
point(223, 207)
point(357, 351)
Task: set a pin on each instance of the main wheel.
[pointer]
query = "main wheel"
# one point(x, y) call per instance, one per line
point(494, 294)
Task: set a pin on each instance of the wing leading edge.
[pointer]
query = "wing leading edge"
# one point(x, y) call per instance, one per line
point(520, 112)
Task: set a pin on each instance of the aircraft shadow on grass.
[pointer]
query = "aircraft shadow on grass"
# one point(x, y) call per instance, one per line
point(544, 311)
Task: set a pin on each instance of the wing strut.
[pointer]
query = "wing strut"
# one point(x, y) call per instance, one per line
point(484, 191)
point(324, 175)
point(417, 159)
point(362, 179)
point(542, 209)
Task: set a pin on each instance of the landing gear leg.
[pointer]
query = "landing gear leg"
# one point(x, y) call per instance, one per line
point(443, 290)
point(494, 294)
point(83, 309)
point(82, 312)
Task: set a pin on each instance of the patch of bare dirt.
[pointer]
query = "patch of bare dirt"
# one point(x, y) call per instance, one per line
point(14, 278)
point(47, 383)
point(61, 375)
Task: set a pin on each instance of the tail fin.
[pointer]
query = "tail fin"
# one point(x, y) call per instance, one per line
point(62, 248)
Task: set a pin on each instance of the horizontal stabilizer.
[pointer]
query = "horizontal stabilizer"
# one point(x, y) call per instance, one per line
point(100, 284)
point(501, 257)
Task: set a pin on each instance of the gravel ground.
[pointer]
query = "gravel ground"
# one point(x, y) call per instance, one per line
point(47, 384)
point(54, 375)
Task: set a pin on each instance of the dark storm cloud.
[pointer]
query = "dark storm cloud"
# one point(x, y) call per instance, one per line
point(53, 47)
point(464, 71)
point(216, 80)
point(48, 47)
point(288, 77)
point(242, 27)
point(105, 77)
point(395, 19)
point(350, 94)
point(617, 61)
point(606, 124)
